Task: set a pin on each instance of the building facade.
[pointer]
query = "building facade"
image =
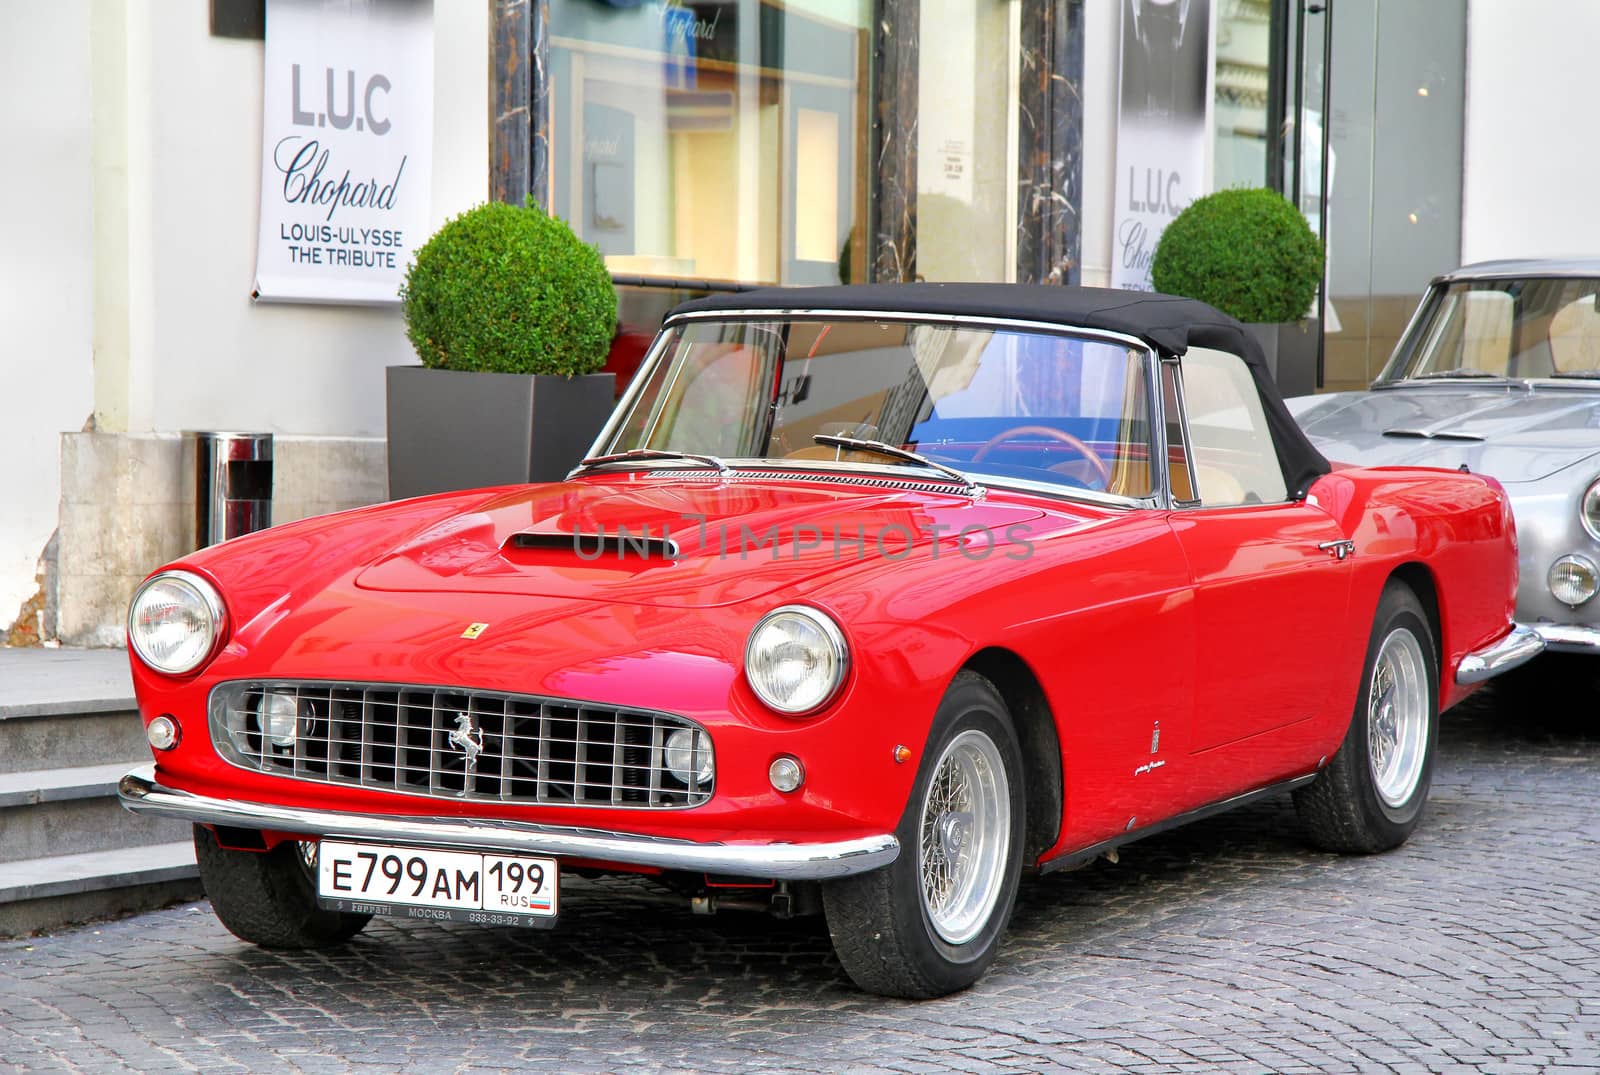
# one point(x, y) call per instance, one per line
point(697, 144)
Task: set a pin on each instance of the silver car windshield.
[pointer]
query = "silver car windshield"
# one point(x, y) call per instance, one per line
point(994, 404)
point(1526, 328)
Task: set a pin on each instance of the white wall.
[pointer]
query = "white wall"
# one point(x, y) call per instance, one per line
point(203, 355)
point(132, 143)
point(1102, 26)
point(1531, 155)
point(45, 269)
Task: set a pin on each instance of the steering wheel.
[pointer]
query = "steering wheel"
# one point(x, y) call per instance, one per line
point(1064, 437)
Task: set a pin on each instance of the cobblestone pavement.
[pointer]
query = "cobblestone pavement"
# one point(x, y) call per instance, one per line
point(1225, 946)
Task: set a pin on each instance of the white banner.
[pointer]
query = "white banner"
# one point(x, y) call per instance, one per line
point(346, 148)
point(1163, 127)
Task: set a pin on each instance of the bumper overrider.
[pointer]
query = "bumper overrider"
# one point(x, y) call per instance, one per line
point(1517, 647)
point(140, 793)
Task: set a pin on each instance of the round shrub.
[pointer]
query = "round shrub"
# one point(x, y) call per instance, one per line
point(1249, 253)
point(509, 290)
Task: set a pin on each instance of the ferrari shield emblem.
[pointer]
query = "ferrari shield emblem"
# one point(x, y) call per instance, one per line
point(474, 630)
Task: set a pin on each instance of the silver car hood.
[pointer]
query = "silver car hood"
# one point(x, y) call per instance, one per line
point(1515, 434)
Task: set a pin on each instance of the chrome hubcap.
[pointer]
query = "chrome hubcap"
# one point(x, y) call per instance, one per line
point(1397, 717)
point(965, 837)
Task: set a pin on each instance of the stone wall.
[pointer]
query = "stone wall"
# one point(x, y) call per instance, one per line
point(128, 505)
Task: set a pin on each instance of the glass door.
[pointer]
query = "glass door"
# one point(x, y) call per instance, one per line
point(1379, 107)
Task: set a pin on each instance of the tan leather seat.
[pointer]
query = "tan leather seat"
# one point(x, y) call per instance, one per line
point(1217, 487)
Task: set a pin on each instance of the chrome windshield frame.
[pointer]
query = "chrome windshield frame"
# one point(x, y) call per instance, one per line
point(1438, 288)
point(1187, 443)
point(1159, 496)
point(1408, 342)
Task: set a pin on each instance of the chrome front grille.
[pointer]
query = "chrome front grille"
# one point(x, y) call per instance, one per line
point(459, 744)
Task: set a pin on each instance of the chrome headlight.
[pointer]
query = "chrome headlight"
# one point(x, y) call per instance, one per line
point(796, 659)
point(175, 621)
point(1589, 513)
point(1573, 579)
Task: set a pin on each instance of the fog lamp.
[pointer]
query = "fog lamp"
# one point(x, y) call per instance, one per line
point(689, 752)
point(1573, 579)
point(786, 773)
point(162, 733)
point(280, 718)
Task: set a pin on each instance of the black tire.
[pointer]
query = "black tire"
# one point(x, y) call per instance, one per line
point(880, 921)
point(269, 897)
point(1345, 808)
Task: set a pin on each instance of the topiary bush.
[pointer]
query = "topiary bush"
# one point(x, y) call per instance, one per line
point(1249, 253)
point(509, 290)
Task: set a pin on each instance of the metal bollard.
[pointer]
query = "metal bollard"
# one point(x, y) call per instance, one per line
point(233, 485)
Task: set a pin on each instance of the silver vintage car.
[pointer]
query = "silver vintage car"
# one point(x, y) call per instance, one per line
point(1499, 373)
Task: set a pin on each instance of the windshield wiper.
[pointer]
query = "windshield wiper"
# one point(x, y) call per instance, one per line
point(636, 454)
point(972, 488)
point(1579, 375)
point(1442, 374)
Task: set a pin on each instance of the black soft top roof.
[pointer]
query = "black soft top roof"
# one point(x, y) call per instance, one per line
point(1167, 323)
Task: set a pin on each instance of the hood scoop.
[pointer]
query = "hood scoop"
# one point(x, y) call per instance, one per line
point(1431, 434)
point(621, 544)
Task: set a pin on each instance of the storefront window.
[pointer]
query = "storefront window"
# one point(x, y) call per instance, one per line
point(718, 140)
point(966, 140)
point(1243, 84)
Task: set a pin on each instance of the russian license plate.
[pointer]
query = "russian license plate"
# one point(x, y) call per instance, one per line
point(451, 886)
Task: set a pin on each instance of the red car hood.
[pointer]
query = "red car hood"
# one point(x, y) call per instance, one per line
point(606, 539)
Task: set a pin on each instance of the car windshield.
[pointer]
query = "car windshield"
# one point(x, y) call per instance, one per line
point(1067, 410)
point(1522, 328)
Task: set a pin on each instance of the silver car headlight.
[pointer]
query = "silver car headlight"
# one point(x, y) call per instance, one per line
point(175, 621)
point(1573, 579)
point(1589, 513)
point(796, 659)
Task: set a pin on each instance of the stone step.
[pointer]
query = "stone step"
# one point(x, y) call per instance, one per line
point(55, 740)
point(61, 785)
point(69, 728)
point(66, 708)
point(47, 892)
point(73, 810)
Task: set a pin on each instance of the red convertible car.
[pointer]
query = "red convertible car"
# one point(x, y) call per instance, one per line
point(870, 601)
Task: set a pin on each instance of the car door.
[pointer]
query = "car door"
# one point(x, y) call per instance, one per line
point(1271, 575)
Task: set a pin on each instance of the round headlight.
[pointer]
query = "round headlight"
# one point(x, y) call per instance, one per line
point(796, 659)
point(688, 752)
point(1589, 514)
point(1573, 579)
point(174, 622)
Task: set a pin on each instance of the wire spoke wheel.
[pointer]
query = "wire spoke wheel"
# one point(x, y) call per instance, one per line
point(1369, 797)
point(930, 922)
point(965, 837)
point(1398, 717)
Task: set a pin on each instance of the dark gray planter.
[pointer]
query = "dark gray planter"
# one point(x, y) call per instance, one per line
point(450, 429)
point(1291, 350)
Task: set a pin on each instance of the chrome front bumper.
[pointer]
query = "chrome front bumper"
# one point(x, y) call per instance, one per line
point(140, 793)
point(1519, 646)
point(1569, 637)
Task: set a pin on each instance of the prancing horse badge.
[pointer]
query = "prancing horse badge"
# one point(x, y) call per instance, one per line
point(474, 630)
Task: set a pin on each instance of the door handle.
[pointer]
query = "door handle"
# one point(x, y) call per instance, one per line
point(1338, 549)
